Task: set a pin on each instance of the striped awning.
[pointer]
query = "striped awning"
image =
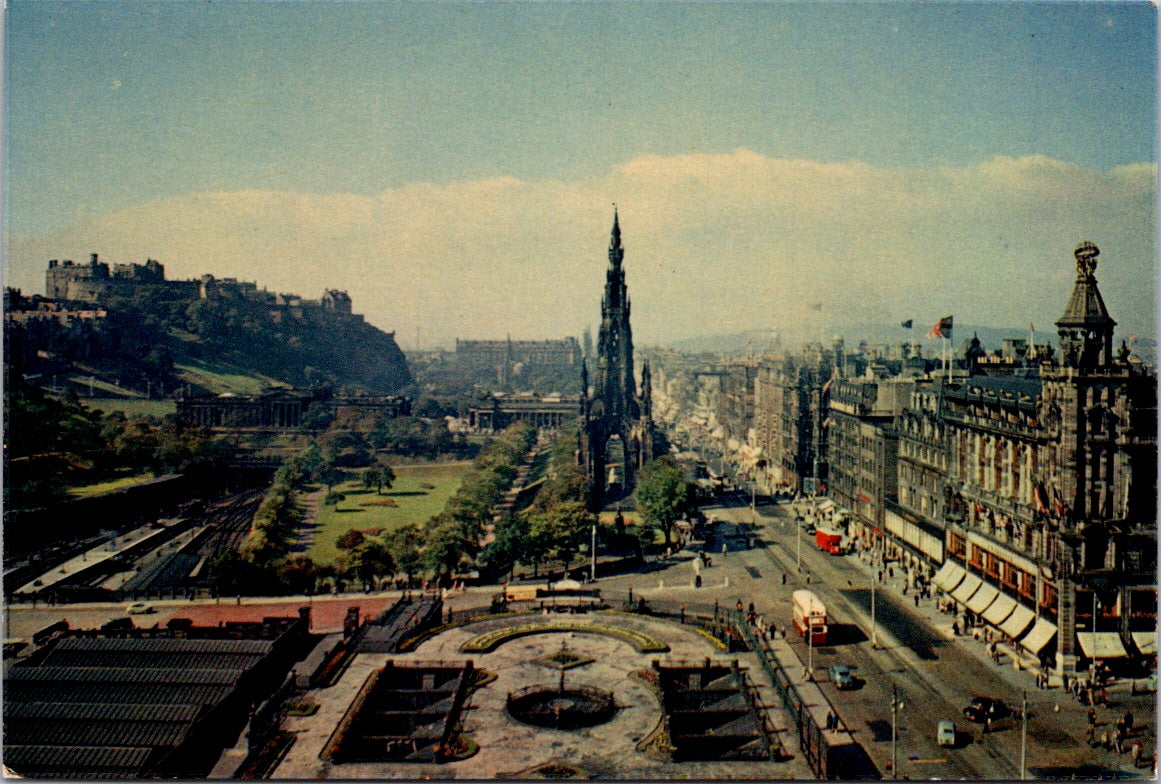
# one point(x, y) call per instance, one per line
point(982, 598)
point(969, 585)
point(1020, 619)
point(949, 576)
point(1101, 645)
point(826, 505)
point(1000, 609)
point(1146, 642)
point(1041, 634)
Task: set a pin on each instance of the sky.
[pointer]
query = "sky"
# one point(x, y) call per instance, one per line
point(454, 166)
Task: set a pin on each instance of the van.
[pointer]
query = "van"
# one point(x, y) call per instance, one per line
point(945, 733)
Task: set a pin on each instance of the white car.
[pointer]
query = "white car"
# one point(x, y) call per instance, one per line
point(945, 733)
point(139, 608)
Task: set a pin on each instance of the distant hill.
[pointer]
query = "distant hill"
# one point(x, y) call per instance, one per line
point(154, 336)
point(765, 341)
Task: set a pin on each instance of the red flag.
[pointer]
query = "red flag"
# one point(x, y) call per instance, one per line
point(942, 328)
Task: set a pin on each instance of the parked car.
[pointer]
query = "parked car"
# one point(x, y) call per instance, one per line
point(945, 733)
point(139, 608)
point(983, 708)
point(840, 675)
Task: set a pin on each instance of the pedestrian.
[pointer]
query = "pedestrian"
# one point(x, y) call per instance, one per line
point(1136, 754)
point(1090, 734)
point(1128, 720)
point(891, 572)
point(1104, 739)
point(987, 725)
point(1104, 698)
point(955, 628)
point(723, 548)
point(1092, 716)
point(829, 720)
point(917, 601)
point(808, 578)
point(1118, 740)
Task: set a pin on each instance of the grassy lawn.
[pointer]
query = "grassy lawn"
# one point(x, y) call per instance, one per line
point(366, 511)
point(132, 409)
point(218, 380)
point(106, 486)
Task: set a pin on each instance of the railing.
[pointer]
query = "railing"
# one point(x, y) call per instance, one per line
point(810, 736)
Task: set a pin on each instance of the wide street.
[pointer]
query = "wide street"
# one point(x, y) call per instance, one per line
point(933, 673)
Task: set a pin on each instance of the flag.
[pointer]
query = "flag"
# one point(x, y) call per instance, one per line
point(942, 328)
point(816, 306)
point(907, 323)
point(1041, 499)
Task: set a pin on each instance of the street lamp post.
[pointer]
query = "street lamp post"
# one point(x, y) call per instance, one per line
point(1023, 733)
point(896, 706)
point(594, 546)
point(810, 645)
point(798, 547)
point(874, 626)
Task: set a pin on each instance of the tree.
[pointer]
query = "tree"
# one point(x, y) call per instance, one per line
point(663, 493)
point(561, 530)
point(371, 561)
point(511, 544)
point(351, 540)
point(401, 544)
point(378, 477)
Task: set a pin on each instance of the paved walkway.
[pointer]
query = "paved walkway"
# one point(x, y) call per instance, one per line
point(508, 747)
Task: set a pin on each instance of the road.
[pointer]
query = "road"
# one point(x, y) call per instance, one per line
point(934, 675)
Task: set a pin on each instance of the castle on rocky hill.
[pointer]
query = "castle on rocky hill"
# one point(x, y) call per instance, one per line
point(96, 283)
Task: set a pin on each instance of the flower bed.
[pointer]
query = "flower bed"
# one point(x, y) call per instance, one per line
point(489, 641)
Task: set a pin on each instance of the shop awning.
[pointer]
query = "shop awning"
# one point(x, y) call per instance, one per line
point(1146, 642)
point(1041, 634)
point(949, 576)
point(1020, 619)
point(1000, 609)
point(826, 505)
point(1102, 645)
point(982, 598)
point(969, 585)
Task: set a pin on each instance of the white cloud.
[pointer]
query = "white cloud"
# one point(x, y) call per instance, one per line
point(714, 243)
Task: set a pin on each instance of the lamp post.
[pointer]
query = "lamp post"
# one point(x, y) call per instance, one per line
point(594, 547)
point(810, 644)
point(1023, 733)
point(896, 706)
point(874, 626)
point(798, 546)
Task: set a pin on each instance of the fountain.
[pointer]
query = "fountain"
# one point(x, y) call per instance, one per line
point(562, 706)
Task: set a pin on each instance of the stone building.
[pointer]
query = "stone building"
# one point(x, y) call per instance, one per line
point(1048, 499)
point(507, 364)
point(862, 448)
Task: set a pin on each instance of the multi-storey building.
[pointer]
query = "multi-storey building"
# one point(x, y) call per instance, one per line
point(1049, 498)
point(862, 449)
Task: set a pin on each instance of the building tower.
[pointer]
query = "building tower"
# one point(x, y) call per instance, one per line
point(1099, 411)
point(614, 432)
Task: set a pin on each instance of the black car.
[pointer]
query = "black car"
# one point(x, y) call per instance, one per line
point(983, 708)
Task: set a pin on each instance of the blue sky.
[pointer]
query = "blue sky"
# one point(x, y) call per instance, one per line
point(463, 138)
